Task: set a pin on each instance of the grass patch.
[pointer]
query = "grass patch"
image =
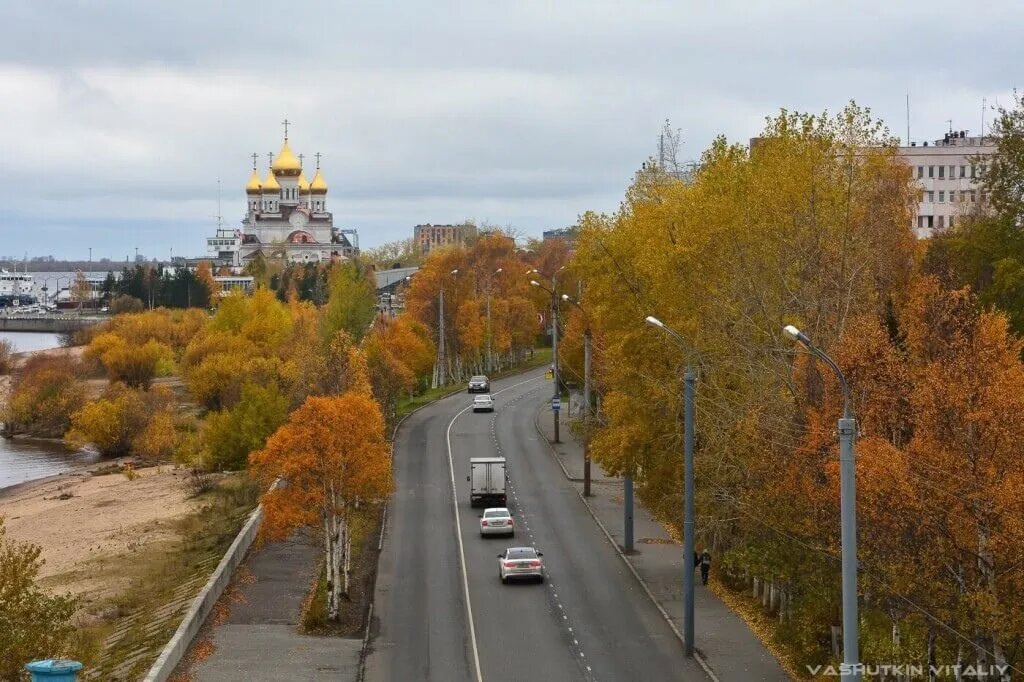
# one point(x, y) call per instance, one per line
point(365, 535)
point(541, 357)
point(163, 579)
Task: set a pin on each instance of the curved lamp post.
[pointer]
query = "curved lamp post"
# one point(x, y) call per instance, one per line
point(587, 406)
point(847, 505)
point(554, 337)
point(689, 383)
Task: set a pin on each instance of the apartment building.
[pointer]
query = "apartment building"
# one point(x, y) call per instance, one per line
point(429, 237)
point(948, 172)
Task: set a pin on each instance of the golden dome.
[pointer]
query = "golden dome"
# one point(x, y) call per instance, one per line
point(319, 185)
point(303, 184)
point(286, 162)
point(270, 184)
point(254, 184)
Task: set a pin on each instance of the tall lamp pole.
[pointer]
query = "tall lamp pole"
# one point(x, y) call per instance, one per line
point(847, 506)
point(554, 339)
point(490, 333)
point(689, 382)
point(587, 404)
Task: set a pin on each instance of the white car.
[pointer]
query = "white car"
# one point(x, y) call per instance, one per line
point(497, 521)
point(520, 562)
point(483, 403)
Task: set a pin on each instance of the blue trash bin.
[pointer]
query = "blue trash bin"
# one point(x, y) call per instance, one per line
point(54, 670)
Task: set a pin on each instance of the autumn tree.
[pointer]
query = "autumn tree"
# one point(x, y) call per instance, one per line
point(228, 436)
point(6, 356)
point(352, 300)
point(115, 423)
point(330, 454)
point(204, 275)
point(33, 624)
point(809, 225)
point(44, 394)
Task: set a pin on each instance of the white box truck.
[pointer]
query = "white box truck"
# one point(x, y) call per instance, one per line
point(487, 482)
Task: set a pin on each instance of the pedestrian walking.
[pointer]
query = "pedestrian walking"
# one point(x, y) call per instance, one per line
point(705, 566)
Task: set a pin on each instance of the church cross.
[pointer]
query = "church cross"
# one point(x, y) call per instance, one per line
point(302, 157)
point(317, 155)
point(254, 157)
point(270, 155)
point(286, 123)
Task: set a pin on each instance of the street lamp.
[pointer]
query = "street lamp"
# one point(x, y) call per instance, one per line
point(439, 374)
point(554, 337)
point(847, 506)
point(490, 334)
point(689, 382)
point(587, 408)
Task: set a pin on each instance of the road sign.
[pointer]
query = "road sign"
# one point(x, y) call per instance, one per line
point(549, 375)
point(556, 404)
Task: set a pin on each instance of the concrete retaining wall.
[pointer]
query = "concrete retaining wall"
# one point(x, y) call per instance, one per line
point(202, 605)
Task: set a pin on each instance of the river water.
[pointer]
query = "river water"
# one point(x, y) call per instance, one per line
point(27, 459)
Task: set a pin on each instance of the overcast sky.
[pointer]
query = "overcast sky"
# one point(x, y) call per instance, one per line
point(118, 118)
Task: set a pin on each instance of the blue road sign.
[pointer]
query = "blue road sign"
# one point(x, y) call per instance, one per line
point(556, 404)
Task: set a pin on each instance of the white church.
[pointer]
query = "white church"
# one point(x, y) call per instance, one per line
point(286, 218)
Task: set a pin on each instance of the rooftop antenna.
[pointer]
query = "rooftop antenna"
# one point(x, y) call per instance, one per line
point(984, 101)
point(950, 122)
point(219, 217)
point(908, 119)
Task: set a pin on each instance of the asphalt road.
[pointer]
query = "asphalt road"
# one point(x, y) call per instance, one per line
point(589, 621)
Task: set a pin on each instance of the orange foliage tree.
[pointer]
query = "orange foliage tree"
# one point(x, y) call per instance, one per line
point(939, 397)
point(329, 455)
point(491, 278)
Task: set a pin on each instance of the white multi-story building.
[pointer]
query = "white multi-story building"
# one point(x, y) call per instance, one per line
point(949, 174)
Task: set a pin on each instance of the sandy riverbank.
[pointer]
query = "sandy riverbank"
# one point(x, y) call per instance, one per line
point(81, 520)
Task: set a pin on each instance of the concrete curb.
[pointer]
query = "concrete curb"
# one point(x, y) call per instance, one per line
point(178, 646)
point(699, 657)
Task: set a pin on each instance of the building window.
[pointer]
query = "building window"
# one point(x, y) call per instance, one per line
point(963, 171)
point(920, 172)
point(942, 220)
point(974, 196)
point(951, 221)
point(931, 197)
point(952, 172)
point(931, 222)
point(942, 172)
point(974, 172)
point(920, 221)
point(931, 171)
point(942, 196)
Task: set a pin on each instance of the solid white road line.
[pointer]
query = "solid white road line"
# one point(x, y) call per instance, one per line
point(458, 531)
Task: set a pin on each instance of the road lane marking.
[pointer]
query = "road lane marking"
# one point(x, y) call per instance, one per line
point(458, 530)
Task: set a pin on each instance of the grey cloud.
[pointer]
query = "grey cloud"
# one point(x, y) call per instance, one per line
point(120, 115)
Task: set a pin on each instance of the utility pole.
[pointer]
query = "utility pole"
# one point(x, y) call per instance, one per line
point(439, 374)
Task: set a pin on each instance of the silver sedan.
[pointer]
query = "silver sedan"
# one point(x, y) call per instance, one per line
point(497, 521)
point(518, 563)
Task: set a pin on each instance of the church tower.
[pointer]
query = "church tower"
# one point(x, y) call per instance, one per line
point(318, 190)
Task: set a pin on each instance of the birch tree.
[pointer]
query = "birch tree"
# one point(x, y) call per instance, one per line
point(329, 455)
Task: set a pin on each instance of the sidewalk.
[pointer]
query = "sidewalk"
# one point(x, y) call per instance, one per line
point(259, 638)
point(727, 645)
